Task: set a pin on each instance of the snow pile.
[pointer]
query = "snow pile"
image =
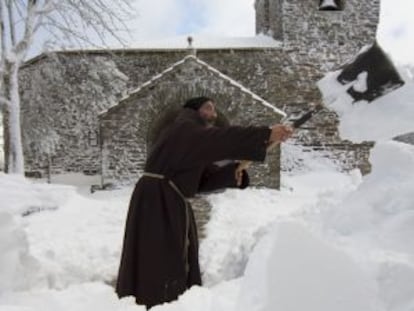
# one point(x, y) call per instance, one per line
point(291, 269)
point(234, 230)
point(384, 199)
point(81, 242)
point(18, 269)
point(376, 221)
point(64, 239)
point(20, 196)
point(1, 143)
point(383, 205)
point(16, 265)
point(83, 297)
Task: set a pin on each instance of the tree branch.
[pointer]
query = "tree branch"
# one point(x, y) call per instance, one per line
point(3, 38)
point(12, 25)
point(23, 45)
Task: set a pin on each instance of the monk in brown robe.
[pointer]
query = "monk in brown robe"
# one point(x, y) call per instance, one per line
point(160, 250)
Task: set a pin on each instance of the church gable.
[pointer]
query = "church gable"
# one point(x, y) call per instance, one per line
point(191, 70)
point(129, 128)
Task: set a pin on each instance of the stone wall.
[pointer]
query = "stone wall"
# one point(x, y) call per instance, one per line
point(349, 155)
point(61, 97)
point(70, 89)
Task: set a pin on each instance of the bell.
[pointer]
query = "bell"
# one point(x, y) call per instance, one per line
point(329, 5)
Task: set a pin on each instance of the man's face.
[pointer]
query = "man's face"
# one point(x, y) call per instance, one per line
point(208, 112)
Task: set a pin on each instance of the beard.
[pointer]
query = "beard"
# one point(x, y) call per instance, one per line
point(210, 121)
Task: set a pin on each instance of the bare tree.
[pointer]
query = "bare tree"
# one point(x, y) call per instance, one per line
point(79, 22)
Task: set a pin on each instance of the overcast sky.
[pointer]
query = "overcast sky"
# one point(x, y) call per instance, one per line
point(160, 18)
point(157, 19)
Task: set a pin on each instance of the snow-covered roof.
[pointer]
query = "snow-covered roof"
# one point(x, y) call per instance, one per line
point(199, 42)
point(210, 42)
point(175, 43)
point(208, 67)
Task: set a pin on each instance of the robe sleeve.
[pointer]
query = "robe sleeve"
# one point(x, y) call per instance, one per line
point(233, 142)
point(215, 178)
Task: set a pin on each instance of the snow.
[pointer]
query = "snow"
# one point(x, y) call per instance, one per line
point(1, 143)
point(325, 277)
point(382, 201)
point(328, 240)
point(231, 235)
point(205, 42)
point(82, 297)
point(360, 84)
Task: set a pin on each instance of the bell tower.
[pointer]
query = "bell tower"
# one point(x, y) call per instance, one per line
point(269, 18)
point(331, 31)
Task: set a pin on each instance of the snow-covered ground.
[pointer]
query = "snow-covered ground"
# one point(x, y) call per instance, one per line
point(326, 241)
point(1, 143)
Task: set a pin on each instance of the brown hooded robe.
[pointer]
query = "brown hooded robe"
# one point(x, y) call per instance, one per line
point(156, 266)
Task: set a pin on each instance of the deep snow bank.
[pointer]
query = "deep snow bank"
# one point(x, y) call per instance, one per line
point(80, 297)
point(376, 221)
point(292, 269)
point(384, 200)
point(18, 269)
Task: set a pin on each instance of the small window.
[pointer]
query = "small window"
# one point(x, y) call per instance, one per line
point(330, 5)
point(93, 138)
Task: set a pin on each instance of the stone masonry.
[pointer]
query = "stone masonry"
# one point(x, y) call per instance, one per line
point(61, 101)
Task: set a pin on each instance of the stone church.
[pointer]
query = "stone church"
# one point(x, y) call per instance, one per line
point(99, 111)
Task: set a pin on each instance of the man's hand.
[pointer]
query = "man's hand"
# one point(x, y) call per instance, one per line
point(239, 171)
point(280, 133)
